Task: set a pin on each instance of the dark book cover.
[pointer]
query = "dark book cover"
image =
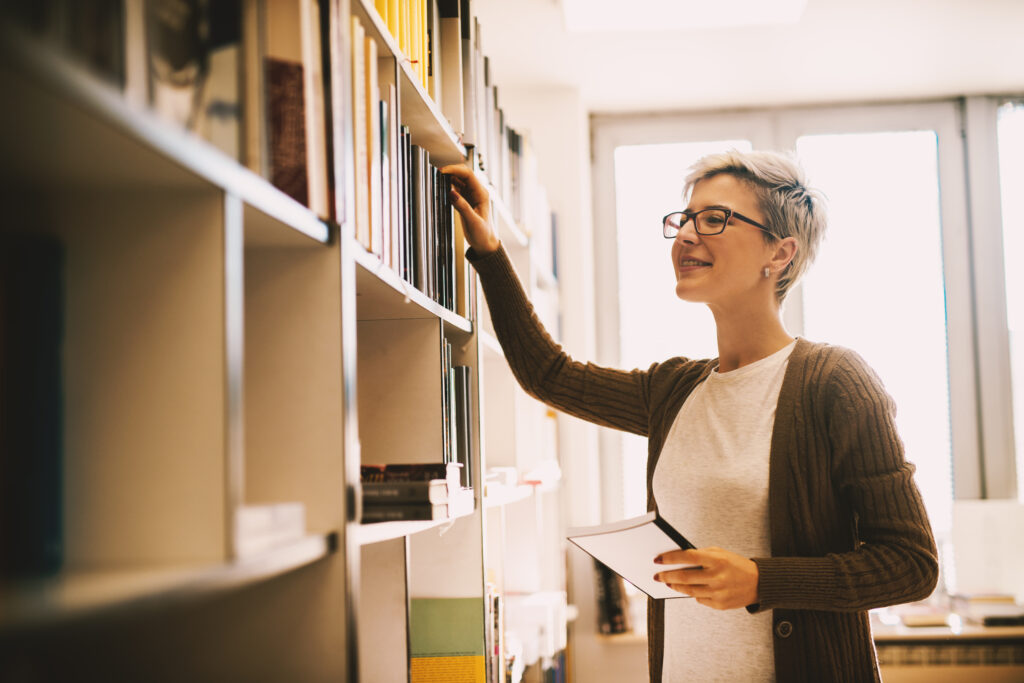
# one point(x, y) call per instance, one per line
point(385, 181)
point(433, 491)
point(421, 471)
point(194, 55)
point(286, 127)
point(464, 421)
point(612, 606)
point(31, 405)
point(412, 512)
point(91, 32)
point(408, 241)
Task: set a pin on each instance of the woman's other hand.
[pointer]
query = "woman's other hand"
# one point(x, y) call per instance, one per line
point(471, 200)
point(716, 578)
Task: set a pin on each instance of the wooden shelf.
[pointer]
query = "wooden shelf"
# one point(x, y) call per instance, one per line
point(76, 131)
point(77, 594)
point(383, 295)
point(428, 126)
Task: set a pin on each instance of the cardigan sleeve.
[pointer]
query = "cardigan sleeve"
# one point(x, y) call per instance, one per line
point(605, 396)
point(895, 558)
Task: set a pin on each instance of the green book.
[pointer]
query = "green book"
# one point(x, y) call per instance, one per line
point(446, 640)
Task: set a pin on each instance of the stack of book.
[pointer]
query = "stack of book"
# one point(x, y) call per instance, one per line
point(414, 492)
point(988, 609)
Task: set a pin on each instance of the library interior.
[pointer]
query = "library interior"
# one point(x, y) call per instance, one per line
point(277, 434)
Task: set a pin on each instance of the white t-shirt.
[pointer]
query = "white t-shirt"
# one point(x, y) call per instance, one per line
point(711, 483)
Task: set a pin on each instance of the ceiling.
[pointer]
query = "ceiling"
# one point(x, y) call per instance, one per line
point(841, 50)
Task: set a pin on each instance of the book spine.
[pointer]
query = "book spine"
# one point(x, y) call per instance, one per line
point(613, 608)
point(404, 513)
point(464, 422)
point(431, 491)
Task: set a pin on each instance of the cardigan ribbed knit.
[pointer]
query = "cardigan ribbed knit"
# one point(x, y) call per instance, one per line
point(848, 528)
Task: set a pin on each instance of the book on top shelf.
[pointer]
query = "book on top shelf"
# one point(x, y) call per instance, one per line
point(92, 33)
point(420, 471)
point(628, 548)
point(193, 63)
point(284, 119)
point(450, 57)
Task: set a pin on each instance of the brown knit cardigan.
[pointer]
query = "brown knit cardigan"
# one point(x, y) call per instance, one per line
point(848, 529)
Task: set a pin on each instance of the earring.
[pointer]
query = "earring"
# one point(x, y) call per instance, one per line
point(767, 273)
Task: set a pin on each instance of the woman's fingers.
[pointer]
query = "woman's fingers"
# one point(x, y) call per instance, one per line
point(476, 227)
point(466, 182)
point(720, 579)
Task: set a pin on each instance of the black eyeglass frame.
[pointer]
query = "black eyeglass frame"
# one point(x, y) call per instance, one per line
point(692, 216)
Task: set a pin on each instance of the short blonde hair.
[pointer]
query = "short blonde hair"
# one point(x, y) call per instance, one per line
point(791, 208)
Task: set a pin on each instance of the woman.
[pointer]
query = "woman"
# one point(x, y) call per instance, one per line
point(781, 451)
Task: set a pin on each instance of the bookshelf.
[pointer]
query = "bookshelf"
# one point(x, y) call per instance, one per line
point(230, 358)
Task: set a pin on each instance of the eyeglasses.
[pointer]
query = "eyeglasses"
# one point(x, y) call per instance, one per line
point(705, 222)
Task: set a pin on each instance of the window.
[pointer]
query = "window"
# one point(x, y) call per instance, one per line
point(1011, 176)
point(877, 284)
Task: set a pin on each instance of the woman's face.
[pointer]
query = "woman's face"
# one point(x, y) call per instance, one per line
point(724, 269)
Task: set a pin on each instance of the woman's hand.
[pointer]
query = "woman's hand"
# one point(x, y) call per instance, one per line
point(473, 203)
point(716, 577)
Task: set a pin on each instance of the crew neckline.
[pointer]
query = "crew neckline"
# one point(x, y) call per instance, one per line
point(751, 368)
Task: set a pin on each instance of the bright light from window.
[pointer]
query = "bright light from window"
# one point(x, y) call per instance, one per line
point(654, 324)
point(1011, 173)
point(677, 15)
point(877, 286)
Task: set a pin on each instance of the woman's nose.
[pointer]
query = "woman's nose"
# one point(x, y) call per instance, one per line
point(688, 233)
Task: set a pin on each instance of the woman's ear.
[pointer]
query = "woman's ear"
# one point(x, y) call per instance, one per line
point(785, 251)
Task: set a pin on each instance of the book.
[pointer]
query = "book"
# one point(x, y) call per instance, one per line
point(375, 230)
point(412, 472)
point(450, 27)
point(412, 512)
point(628, 548)
point(446, 640)
point(32, 313)
point(286, 127)
point(434, 491)
point(193, 62)
point(361, 161)
point(464, 421)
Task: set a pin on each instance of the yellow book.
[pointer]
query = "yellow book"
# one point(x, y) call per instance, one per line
point(416, 36)
point(382, 9)
point(406, 28)
point(424, 45)
point(394, 15)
